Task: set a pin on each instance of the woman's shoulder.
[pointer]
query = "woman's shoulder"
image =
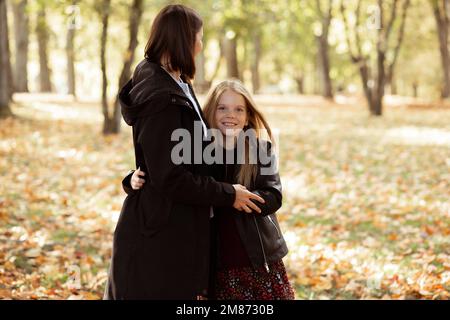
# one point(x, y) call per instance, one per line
point(148, 74)
point(149, 80)
point(144, 69)
point(149, 83)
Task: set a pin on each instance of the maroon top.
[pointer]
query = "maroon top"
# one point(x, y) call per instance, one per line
point(231, 250)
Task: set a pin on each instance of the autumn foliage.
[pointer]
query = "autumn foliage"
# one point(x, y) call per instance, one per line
point(366, 209)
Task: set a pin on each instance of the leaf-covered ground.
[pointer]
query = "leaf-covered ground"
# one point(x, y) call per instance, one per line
point(366, 209)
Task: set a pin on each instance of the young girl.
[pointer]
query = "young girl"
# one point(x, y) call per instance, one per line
point(247, 246)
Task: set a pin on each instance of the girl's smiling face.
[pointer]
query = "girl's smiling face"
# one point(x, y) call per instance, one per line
point(231, 113)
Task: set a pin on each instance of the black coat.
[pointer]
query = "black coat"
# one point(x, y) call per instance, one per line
point(161, 241)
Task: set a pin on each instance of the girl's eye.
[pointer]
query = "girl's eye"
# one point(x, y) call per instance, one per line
point(241, 110)
point(221, 108)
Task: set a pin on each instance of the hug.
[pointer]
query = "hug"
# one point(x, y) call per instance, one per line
point(196, 229)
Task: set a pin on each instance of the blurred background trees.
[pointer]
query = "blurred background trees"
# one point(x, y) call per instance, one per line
point(356, 92)
point(366, 48)
point(5, 64)
point(21, 32)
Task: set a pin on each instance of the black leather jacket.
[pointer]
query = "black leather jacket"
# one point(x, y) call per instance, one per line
point(260, 232)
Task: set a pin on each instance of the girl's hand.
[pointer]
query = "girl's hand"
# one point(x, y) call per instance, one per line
point(243, 202)
point(136, 181)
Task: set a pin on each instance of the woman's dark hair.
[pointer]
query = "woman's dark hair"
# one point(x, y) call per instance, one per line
point(173, 34)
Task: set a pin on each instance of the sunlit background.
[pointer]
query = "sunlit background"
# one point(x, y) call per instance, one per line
point(359, 97)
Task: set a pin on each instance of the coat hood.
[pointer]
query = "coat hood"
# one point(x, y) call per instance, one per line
point(147, 93)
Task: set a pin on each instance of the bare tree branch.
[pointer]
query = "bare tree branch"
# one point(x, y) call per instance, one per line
point(400, 37)
point(445, 13)
point(357, 27)
point(319, 9)
point(347, 32)
point(330, 9)
point(391, 22)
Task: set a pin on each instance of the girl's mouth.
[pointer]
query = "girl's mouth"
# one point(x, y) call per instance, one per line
point(229, 124)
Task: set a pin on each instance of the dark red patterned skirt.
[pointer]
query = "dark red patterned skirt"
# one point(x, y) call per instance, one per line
point(247, 283)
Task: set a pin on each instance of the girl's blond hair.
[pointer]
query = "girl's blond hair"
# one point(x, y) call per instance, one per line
point(256, 121)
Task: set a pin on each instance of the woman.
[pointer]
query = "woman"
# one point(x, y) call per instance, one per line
point(161, 241)
point(249, 247)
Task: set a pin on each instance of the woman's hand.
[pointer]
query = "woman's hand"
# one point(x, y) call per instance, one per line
point(243, 199)
point(136, 181)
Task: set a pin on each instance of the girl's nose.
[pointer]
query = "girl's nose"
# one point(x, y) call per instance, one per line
point(231, 113)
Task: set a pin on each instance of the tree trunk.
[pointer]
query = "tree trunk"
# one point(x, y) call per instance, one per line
point(43, 39)
point(325, 60)
point(327, 90)
point(105, 10)
point(230, 51)
point(5, 85)
point(218, 61)
point(442, 22)
point(71, 82)
point(391, 84)
point(21, 32)
point(125, 75)
point(366, 83)
point(300, 81)
point(200, 83)
point(255, 62)
point(380, 81)
point(390, 73)
point(374, 85)
point(415, 89)
point(323, 50)
point(70, 52)
point(376, 106)
point(318, 79)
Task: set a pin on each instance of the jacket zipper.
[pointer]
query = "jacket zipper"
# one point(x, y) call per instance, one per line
point(266, 265)
point(278, 231)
